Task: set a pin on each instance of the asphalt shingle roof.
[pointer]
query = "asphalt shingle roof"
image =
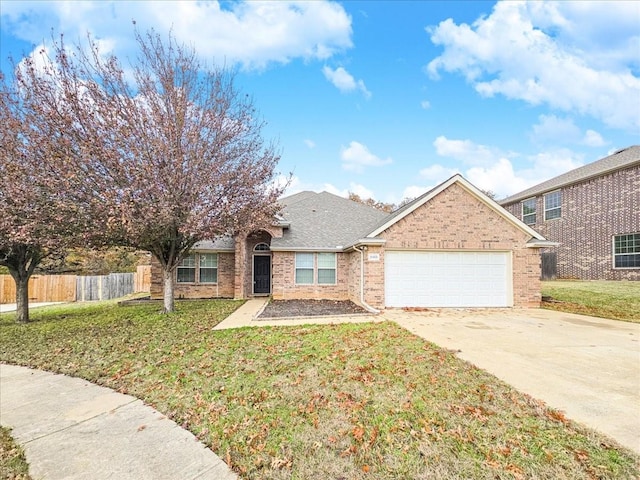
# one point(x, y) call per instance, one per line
point(324, 221)
point(620, 160)
point(220, 243)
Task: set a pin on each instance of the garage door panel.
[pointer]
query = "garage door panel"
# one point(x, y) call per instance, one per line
point(447, 279)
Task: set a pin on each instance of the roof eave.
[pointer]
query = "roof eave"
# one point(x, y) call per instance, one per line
point(338, 248)
point(534, 193)
point(535, 243)
point(366, 242)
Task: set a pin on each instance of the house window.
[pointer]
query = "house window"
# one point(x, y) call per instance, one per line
point(327, 268)
point(206, 271)
point(317, 268)
point(208, 267)
point(304, 268)
point(529, 211)
point(626, 251)
point(261, 247)
point(553, 205)
point(187, 269)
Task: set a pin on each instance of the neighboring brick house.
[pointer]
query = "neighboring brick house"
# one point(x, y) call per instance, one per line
point(593, 212)
point(451, 247)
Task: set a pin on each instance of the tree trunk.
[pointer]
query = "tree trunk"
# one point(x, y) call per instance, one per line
point(169, 303)
point(22, 299)
point(21, 260)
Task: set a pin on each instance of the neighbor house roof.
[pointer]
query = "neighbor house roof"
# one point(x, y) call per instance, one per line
point(620, 160)
point(323, 221)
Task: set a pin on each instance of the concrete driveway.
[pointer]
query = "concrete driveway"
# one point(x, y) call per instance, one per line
point(587, 367)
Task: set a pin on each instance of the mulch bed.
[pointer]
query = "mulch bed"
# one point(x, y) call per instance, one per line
point(310, 308)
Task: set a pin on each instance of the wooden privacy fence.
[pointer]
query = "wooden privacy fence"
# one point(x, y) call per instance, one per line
point(71, 288)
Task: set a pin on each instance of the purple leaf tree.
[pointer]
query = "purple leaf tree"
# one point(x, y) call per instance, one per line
point(160, 153)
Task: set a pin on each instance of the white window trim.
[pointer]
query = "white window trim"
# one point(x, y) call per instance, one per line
point(614, 254)
point(197, 268)
point(315, 270)
point(559, 207)
point(535, 210)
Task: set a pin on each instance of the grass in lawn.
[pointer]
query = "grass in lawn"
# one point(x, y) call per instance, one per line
point(618, 300)
point(353, 401)
point(13, 465)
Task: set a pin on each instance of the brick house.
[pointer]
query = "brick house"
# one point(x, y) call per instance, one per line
point(593, 213)
point(451, 247)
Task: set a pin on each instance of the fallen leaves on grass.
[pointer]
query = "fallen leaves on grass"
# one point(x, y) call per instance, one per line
point(339, 401)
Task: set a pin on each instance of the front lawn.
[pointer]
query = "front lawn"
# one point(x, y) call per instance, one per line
point(352, 401)
point(618, 300)
point(13, 465)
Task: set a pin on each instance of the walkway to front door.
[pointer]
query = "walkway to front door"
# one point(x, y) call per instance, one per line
point(262, 274)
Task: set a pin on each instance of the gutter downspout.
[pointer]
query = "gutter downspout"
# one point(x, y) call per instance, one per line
point(364, 304)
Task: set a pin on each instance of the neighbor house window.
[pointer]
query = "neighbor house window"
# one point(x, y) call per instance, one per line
point(187, 269)
point(626, 251)
point(208, 267)
point(529, 211)
point(206, 271)
point(317, 268)
point(304, 268)
point(327, 268)
point(553, 205)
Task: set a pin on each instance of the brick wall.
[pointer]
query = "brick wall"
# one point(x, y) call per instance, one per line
point(592, 213)
point(223, 289)
point(456, 220)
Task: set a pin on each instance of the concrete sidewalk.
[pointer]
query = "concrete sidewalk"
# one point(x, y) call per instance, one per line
point(72, 429)
point(11, 307)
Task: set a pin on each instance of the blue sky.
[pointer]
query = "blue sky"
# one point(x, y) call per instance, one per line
point(388, 99)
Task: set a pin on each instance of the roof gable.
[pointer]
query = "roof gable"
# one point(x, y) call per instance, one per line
point(620, 160)
point(456, 179)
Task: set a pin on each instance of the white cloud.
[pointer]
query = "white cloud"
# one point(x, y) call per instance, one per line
point(466, 151)
point(344, 81)
point(309, 143)
point(360, 190)
point(357, 156)
point(250, 34)
point(551, 128)
point(438, 173)
point(538, 52)
point(555, 130)
point(414, 191)
point(593, 139)
point(498, 178)
point(425, 104)
point(495, 171)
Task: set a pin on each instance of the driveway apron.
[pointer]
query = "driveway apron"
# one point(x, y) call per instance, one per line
point(587, 367)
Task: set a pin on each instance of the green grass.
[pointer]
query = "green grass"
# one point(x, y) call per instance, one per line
point(618, 300)
point(13, 465)
point(354, 401)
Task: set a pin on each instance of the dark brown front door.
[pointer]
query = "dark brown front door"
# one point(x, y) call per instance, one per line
point(262, 274)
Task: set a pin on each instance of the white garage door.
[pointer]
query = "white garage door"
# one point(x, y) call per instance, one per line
point(448, 279)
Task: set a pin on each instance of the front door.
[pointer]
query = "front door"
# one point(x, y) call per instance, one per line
point(261, 274)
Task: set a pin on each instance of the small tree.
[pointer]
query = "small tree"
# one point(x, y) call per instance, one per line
point(35, 220)
point(370, 202)
point(165, 153)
